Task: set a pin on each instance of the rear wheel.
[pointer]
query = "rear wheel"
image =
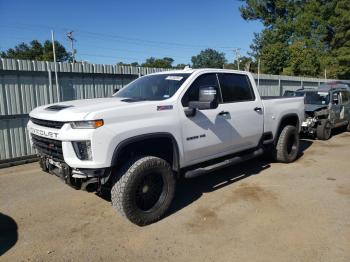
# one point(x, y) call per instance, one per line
point(144, 189)
point(324, 130)
point(287, 147)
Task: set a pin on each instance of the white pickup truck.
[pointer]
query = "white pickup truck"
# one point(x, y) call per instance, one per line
point(158, 128)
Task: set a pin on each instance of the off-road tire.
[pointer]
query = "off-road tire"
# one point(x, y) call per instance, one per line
point(324, 130)
point(287, 147)
point(127, 197)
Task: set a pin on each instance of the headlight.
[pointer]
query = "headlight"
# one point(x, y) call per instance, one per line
point(82, 149)
point(91, 124)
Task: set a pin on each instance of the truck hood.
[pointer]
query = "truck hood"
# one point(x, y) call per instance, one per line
point(82, 109)
point(313, 108)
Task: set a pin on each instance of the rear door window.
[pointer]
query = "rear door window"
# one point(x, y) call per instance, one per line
point(235, 88)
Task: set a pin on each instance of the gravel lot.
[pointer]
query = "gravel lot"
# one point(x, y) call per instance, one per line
point(256, 211)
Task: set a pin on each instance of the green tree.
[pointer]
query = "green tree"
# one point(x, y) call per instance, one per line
point(165, 62)
point(37, 51)
point(126, 64)
point(181, 66)
point(245, 63)
point(340, 43)
point(209, 58)
point(301, 37)
point(303, 60)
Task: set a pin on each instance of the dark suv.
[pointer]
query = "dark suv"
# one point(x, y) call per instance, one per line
point(326, 108)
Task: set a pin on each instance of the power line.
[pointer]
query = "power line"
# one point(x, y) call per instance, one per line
point(128, 50)
point(105, 56)
point(126, 39)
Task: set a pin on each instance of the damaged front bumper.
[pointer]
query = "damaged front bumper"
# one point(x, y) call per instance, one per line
point(84, 179)
point(309, 125)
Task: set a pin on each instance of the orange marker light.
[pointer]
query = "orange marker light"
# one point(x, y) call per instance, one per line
point(98, 123)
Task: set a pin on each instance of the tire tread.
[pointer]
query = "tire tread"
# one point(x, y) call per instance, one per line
point(123, 176)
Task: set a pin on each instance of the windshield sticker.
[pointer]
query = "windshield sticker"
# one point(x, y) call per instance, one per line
point(174, 78)
point(323, 93)
point(161, 108)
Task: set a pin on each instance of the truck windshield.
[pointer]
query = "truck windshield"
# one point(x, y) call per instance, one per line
point(314, 97)
point(153, 87)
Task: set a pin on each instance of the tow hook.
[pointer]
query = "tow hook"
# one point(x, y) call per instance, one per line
point(87, 185)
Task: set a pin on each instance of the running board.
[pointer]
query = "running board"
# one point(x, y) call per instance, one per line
point(225, 163)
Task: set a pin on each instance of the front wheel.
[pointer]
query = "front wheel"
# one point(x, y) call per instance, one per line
point(324, 130)
point(287, 147)
point(144, 189)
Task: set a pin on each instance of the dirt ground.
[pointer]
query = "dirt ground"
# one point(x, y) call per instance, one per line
point(255, 211)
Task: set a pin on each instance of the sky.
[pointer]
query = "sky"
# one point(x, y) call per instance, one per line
point(108, 32)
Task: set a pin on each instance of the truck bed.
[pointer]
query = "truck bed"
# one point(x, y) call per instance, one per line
point(275, 107)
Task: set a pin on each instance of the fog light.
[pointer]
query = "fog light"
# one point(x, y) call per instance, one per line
point(83, 149)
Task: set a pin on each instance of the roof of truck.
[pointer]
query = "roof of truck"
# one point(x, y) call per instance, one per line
point(191, 70)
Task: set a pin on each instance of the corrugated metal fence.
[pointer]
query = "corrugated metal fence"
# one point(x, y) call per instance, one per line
point(26, 84)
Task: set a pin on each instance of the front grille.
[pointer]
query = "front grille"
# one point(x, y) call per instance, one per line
point(48, 147)
point(47, 123)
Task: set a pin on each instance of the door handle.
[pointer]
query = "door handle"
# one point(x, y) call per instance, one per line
point(223, 113)
point(258, 109)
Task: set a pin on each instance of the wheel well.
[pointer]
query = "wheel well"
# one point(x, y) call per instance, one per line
point(162, 146)
point(291, 119)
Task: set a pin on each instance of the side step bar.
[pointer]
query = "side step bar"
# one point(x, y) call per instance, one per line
point(228, 162)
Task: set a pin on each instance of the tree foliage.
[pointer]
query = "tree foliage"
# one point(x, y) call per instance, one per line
point(301, 37)
point(165, 62)
point(208, 58)
point(245, 63)
point(37, 51)
point(130, 64)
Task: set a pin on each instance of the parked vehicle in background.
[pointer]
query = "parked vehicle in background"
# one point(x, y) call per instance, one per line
point(289, 93)
point(161, 127)
point(326, 107)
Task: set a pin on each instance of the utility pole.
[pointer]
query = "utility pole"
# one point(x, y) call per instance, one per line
point(237, 54)
point(72, 39)
point(54, 60)
point(259, 72)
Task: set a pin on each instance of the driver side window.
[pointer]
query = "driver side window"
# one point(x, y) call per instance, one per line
point(192, 93)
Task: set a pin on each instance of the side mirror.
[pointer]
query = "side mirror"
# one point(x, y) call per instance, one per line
point(207, 99)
